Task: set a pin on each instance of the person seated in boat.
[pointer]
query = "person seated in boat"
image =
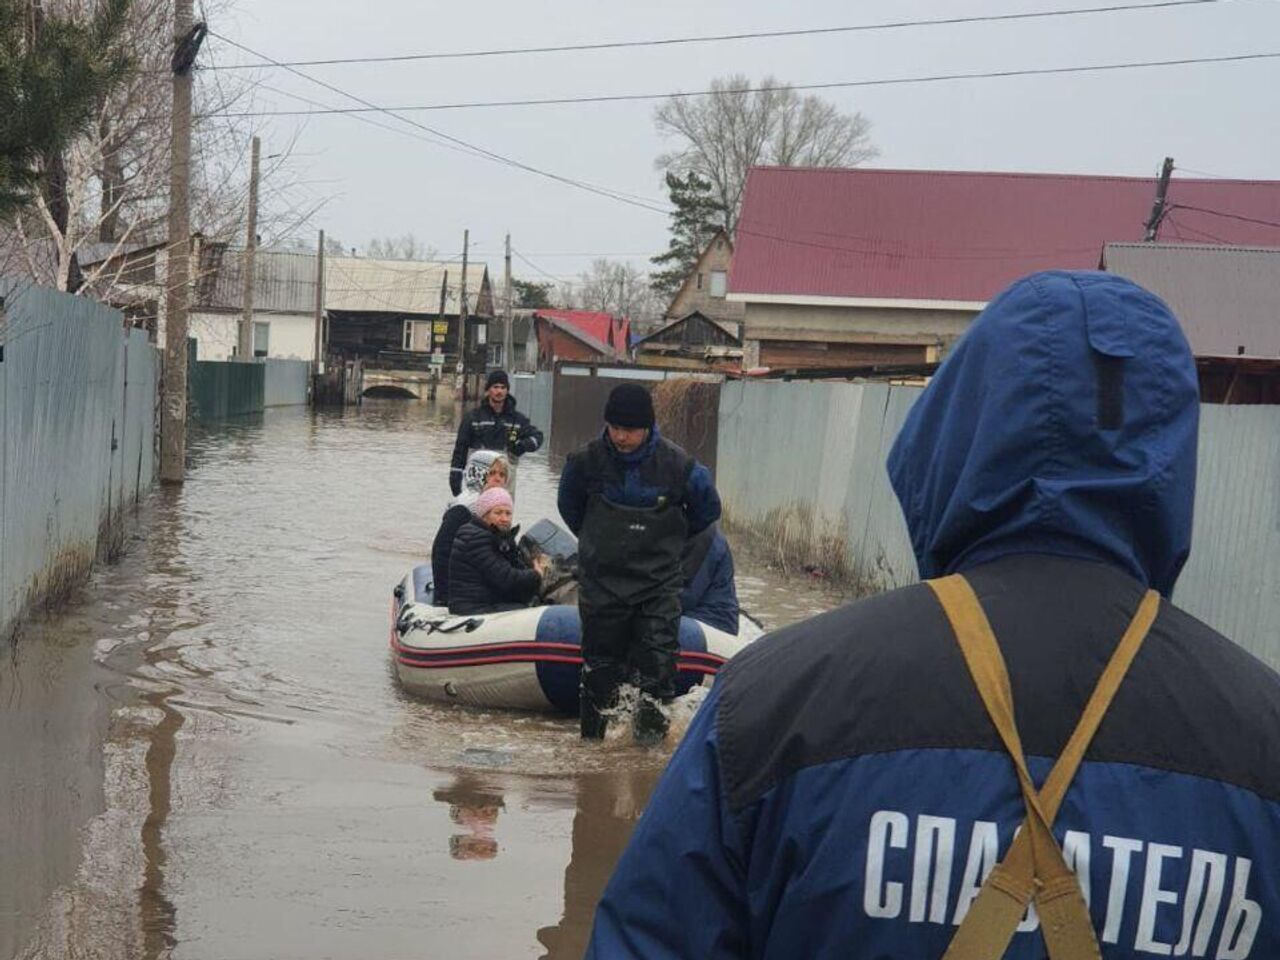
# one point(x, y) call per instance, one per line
point(709, 593)
point(487, 571)
point(485, 469)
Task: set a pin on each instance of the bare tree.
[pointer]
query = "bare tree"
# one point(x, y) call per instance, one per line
point(737, 127)
point(114, 180)
point(618, 288)
point(404, 247)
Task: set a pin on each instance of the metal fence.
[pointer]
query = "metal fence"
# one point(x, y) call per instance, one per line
point(285, 383)
point(801, 467)
point(77, 440)
point(532, 392)
point(219, 389)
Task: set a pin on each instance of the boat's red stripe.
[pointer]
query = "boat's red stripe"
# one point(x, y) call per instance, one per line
point(535, 644)
point(533, 658)
point(528, 651)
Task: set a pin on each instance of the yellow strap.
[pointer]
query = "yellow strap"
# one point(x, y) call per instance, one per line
point(1034, 868)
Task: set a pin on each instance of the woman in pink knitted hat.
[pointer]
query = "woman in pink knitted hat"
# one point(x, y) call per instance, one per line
point(487, 572)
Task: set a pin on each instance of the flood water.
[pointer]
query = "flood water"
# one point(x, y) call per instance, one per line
point(206, 754)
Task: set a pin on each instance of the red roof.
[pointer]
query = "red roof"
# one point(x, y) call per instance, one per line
point(942, 235)
point(604, 327)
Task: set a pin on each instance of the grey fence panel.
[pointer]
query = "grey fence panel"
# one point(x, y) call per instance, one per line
point(67, 428)
point(286, 383)
point(1232, 581)
point(820, 495)
point(533, 397)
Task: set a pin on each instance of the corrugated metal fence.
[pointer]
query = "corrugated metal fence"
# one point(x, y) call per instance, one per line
point(533, 397)
point(234, 388)
point(820, 496)
point(77, 429)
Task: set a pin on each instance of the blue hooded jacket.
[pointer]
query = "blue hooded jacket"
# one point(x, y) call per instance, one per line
point(842, 793)
point(1013, 449)
point(710, 594)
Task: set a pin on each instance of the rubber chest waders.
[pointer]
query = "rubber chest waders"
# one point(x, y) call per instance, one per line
point(1034, 870)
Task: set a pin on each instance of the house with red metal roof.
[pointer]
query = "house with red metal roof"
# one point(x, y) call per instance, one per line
point(584, 335)
point(861, 267)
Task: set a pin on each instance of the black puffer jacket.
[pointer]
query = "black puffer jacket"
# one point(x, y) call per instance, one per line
point(455, 518)
point(487, 570)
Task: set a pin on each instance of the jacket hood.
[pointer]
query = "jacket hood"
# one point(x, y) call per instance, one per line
point(1064, 422)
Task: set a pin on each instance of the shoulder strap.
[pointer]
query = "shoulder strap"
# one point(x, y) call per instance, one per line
point(1034, 868)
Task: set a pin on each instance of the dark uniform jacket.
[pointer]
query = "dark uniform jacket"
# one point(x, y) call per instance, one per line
point(842, 792)
point(486, 570)
point(482, 429)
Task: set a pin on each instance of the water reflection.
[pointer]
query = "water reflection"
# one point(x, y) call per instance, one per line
point(608, 805)
point(474, 807)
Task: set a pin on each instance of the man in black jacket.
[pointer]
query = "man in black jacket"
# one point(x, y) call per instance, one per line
point(493, 425)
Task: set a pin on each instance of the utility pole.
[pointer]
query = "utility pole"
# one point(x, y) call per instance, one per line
point(1158, 208)
point(507, 336)
point(464, 339)
point(320, 305)
point(249, 265)
point(173, 408)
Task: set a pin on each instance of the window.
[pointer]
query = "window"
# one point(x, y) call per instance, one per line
point(417, 336)
point(717, 283)
point(261, 339)
point(699, 281)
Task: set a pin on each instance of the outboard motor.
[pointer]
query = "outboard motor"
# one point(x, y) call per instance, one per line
point(550, 538)
point(560, 585)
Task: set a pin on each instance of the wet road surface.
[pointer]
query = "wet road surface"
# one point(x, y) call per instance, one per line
point(206, 755)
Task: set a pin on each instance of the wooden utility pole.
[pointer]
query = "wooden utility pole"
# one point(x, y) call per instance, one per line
point(245, 348)
point(464, 338)
point(320, 305)
point(1157, 208)
point(507, 337)
point(173, 408)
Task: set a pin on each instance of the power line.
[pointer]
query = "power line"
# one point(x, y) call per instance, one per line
point(726, 37)
point(832, 85)
point(456, 141)
point(1225, 214)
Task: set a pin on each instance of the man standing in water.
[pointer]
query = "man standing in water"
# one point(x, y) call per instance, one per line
point(633, 498)
point(494, 425)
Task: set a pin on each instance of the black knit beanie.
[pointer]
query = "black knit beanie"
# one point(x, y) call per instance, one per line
point(497, 376)
point(629, 406)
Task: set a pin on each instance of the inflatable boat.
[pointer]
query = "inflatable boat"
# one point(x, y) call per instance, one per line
point(526, 659)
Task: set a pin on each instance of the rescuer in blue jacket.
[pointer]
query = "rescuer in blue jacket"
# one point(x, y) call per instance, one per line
point(843, 791)
point(633, 498)
point(709, 594)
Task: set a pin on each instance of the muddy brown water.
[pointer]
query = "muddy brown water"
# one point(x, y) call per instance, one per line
point(206, 755)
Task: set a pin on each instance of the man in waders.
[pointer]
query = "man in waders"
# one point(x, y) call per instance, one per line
point(851, 782)
point(633, 498)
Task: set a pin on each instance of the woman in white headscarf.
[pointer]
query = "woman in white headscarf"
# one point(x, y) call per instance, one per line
point(484, 469)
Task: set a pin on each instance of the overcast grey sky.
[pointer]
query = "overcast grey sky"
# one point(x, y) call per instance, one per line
point(1221, 119)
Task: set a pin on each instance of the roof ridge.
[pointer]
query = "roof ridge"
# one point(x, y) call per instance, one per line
point(1014, 174)
point(1210, 247)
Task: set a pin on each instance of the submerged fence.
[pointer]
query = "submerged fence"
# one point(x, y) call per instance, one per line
point(218, 389)
point(77, 434)
point(801, 467)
